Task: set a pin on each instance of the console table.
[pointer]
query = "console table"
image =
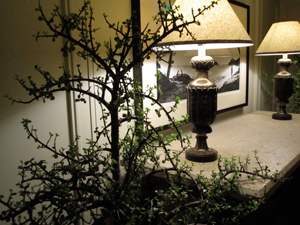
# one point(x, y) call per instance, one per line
point(277, 143)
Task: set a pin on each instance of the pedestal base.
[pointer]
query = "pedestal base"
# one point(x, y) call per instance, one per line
point(281, 116)
point(201, 155)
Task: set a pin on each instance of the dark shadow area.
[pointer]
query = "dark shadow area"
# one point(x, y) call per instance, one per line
point(282, 208)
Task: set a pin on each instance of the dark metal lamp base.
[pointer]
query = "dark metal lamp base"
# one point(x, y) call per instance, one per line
point(201, 155)
point(281, 116)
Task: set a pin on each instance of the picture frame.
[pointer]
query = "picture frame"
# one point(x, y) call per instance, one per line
point(231, 60)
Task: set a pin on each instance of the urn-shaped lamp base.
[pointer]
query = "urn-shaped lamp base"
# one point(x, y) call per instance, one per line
point(283, 89)
point(201, 152)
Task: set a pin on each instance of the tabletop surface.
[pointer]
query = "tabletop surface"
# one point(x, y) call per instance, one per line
point(277, 143)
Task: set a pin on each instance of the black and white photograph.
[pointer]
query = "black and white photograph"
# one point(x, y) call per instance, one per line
point(176, 73)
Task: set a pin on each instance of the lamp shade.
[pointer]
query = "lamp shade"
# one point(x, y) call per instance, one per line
point(282, 38)
point(218, 26)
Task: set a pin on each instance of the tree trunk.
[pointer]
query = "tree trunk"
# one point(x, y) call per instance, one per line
point(115, 145)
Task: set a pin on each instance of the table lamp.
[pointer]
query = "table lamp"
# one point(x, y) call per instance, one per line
point(283, 38)
point(219, 28)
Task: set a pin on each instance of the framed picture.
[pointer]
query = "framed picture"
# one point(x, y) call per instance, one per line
point(230, 72)
point(174, 78)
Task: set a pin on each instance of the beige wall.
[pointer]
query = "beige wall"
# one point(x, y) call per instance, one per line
point(267, 64)
point(289, 10)
point(19, 53)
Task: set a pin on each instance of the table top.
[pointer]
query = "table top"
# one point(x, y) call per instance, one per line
point(277, 143)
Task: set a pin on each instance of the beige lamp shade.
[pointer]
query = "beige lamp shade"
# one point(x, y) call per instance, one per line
point(282, 38)
point(219, 25)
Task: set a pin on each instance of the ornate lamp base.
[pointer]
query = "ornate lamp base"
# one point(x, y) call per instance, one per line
point(202, 109)
point(201, 152)
point(283, 89)
point(201, 155)
point(282, 114)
